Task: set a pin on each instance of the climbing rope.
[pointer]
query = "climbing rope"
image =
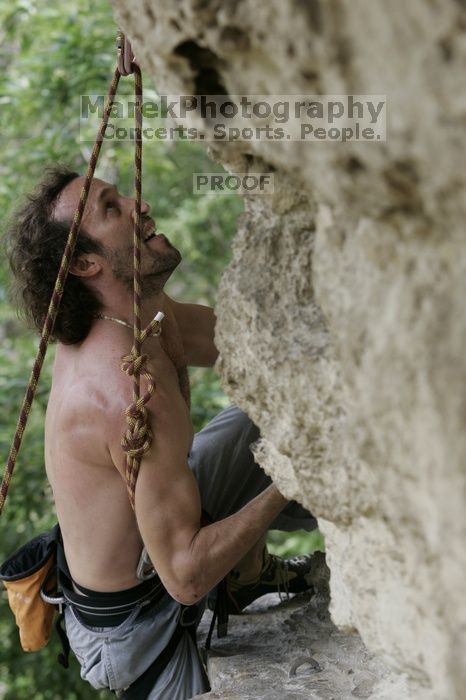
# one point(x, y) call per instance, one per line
point(138, 438)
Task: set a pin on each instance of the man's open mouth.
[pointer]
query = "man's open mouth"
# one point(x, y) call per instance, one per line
point(150, 233)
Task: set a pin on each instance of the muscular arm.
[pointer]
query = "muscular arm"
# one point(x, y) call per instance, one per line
point(197, 327)
point(189, 559)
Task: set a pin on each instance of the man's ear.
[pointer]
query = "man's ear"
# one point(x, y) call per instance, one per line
point(85, 266)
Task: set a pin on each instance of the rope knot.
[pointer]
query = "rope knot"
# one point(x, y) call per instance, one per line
point(138, 437)
point(132, 364)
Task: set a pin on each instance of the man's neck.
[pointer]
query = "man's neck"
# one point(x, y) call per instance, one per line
point(121, 307)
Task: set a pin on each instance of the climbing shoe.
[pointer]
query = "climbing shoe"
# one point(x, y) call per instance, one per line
point(283, 576)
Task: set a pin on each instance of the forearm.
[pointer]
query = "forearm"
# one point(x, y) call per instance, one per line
point(191, 559)
point(216, 548)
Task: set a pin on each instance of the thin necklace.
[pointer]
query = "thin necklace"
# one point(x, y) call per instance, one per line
point(115, 320)
point(124, 323)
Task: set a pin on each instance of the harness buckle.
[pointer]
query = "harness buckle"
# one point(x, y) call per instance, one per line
point(189, 615)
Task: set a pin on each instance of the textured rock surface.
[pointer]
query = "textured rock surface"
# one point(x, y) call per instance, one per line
point(341, 317)
point(292, 651)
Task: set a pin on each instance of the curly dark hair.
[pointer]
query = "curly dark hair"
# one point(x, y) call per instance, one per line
point(35, 244)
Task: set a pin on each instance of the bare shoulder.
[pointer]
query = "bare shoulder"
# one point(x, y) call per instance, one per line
point(92, 393)
point(167, 412)
point(84, 399)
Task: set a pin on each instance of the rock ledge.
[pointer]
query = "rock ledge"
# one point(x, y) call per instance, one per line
point(291, 650)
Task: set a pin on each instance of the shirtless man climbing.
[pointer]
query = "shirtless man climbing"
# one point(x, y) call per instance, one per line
point(135, 636)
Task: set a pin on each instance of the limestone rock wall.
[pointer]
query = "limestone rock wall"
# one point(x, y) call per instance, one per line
point(342, 324)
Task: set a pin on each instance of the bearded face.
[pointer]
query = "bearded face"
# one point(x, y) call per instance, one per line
point(159, 258)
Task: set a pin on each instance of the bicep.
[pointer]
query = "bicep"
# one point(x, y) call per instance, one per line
point(167, 500)
point(168, 507)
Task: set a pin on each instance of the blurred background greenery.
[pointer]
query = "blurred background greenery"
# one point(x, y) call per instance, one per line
point(50, 54)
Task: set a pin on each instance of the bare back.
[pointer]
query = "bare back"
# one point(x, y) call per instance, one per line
point(85, 465)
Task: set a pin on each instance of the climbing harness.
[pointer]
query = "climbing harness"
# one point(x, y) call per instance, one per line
point(138, 438)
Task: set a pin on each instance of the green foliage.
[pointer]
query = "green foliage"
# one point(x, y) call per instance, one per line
point(286, 544)
point(51, 53)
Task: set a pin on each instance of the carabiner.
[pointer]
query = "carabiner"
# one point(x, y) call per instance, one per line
point(125, 55)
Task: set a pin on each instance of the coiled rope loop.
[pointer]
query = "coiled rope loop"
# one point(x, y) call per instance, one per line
point(137, 439)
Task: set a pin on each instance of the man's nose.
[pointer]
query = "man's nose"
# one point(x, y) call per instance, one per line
point(145, 209)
